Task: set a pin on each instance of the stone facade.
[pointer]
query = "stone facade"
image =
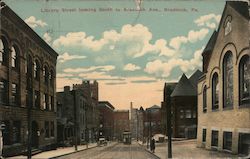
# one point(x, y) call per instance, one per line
point(106, 129)
point(90, 90)
point(71, 116)
point(226, 128)
point(121, 123)
point(27, 79)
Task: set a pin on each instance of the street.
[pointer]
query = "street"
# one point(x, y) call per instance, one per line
point(113, 151)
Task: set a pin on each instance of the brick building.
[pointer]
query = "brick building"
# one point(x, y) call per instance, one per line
point(121, 123)
point(167, 91)
point(71, 116)
point(106, 129)
point(90, 90)
point(27, 80)
point(224, 90)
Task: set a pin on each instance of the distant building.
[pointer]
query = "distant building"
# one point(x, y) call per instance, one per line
point(71, 116)
point(27, 86)
point(140, 115)
point(121, 123)
point(152, 121)
point(184, 106)
point(90, 90)
point(134, 122)
point(224, 89)
point(106, 129)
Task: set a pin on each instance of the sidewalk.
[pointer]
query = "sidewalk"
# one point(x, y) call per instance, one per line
point(58, 152)
point(187, 149)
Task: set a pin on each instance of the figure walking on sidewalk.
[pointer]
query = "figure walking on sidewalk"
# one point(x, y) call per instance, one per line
point(152, 145)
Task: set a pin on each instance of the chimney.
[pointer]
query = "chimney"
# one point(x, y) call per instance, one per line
point(66, 88)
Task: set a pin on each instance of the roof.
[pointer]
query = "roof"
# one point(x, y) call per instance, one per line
point(155, 107)
point(195, 78)
point(107, 104)
point(241, 7)
point(211, 42)
point(184, 88)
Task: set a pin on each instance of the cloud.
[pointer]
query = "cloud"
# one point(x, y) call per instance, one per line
point(89, 69)
point(33, 23)
point(131, 67)
point(61, 75)
point(47, 37)
point(192, 37)
point(163, 69)
point(100, 76)
point(209, 20)
point(115, 83)
point(67, 57)
point(133, 41)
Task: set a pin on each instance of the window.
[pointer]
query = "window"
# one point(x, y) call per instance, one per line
point(16, 130)
point(14, 94)
point(188, 114)
point(3, 52)
point(244, 143)
point(52, 129)
point(181, 114)
point(215, 92)
point(205, 99)
point(36, 70)
point(46, 127)
point(204, 134)
point(215, 135)
point(3, 91)
point(228, 80)
point(45, 102)
point(51, 103)
point(6, 133)
point(45, 75)
point(51, 78)
point(228, 28)
point(14, 57)
point(244, 80)
point(227, 140)
point(37, 99)
point(194, 114)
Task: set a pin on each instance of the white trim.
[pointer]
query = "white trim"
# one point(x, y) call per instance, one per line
point(215, 128)
point(243, 130)
point(228, 129)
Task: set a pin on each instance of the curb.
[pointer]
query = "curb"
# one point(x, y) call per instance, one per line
point(149, 151)
point(72, 152)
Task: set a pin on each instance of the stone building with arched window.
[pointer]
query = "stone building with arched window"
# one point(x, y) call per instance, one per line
point(27, 86)
point(224, 89)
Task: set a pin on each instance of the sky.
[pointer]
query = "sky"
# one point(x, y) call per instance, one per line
point(131, 48)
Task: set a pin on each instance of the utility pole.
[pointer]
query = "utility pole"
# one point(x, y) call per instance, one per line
point(29, 107)
point(169, 125)
point(75, 119)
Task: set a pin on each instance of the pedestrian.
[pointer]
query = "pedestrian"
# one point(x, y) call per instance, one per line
point(1, 142)
point(152, 145)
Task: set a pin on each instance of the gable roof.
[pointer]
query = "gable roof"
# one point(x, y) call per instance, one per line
point(195, 78)
point(184, 88)
point(241, 7)
point(211, 42)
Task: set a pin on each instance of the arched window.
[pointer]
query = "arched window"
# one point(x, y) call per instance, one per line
point(205, 99)
point(14, 57)
point(244, 80)
point(3, 52)
point(36, 70)
point(51, 78)
point(228, 80)
point(45, 75)
point(215, 91)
